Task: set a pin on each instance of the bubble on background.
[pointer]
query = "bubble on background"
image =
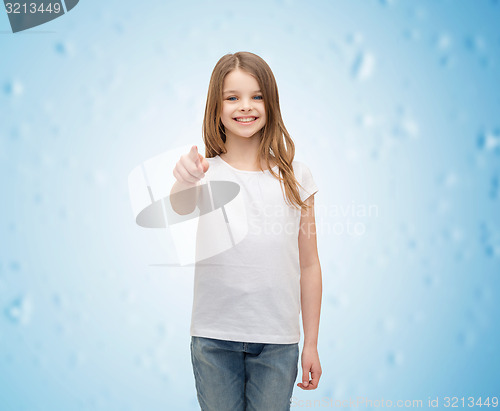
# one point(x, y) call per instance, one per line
point(13, 88)
point(19, 310)
point(363, 66)
point(393, 104)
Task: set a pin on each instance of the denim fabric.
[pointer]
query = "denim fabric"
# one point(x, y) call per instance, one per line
point(237, 376)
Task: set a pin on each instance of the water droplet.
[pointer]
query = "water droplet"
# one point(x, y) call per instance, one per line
point(13, 88)
point(388, 324)
point(489, 141)
point(443, 41)
point(40, 361)
point(20, 131)
point(446, 61)
point(344, 301)
point(340, 301)
point(420, 13)
point(442, 206)
point(454, 234)
point(61, 328)
point(490, 240)
point(62, 213)
point(144, 361)
point(163, 330)
point(430, 280)
point(99, 177)
point(339, 389)
point(119, 27)
point(494, 184)
point(76, 359)
point(466, 338)
point(405, 128)
point(354, 38)
point(417, 317)
point(363, 66)
point(65, 48)
point(129, 296)
point(15, 266)
point(474, 43)
point(412, 243)
point(19, 310)
point(395, 358)
point(60, 47)
point(58, 300)
point(448, 179)
point(365, 120)
point(165, 370)
point(38, 198)
point(411, 34)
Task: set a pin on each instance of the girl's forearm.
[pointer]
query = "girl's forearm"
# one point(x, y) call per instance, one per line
point(183, 197)
point(310, 295)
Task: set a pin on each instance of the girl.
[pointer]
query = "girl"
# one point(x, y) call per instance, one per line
point(245, 326)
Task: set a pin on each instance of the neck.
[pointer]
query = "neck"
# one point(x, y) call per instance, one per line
point(242, 151)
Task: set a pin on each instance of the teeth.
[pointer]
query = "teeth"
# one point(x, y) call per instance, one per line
point(246, 120)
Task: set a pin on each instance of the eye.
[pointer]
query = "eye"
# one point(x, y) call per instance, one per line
point(229, 98)
point(259, 97)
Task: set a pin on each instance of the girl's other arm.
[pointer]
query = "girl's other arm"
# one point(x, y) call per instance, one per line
point(310, 294)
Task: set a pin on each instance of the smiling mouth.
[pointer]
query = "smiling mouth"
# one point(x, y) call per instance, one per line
point(245, 119)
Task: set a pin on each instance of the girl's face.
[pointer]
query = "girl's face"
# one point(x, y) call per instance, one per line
point(243, 113)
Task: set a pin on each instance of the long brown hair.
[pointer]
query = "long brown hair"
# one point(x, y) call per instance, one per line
point(275, 141)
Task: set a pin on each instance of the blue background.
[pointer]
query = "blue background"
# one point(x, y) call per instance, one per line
point(394, 106)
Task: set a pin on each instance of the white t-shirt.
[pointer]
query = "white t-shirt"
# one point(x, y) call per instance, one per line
point(251, 292)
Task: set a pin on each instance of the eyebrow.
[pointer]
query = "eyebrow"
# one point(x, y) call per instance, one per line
point(236, 91)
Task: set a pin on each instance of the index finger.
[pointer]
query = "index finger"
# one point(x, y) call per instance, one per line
point(193, 154)
point(314, 379)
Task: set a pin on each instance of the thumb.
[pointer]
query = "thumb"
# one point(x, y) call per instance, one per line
point(305, 377)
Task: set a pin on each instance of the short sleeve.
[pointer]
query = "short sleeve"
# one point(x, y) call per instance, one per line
point(305, 178)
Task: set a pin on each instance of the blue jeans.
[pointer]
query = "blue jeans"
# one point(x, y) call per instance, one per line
point(237, 376)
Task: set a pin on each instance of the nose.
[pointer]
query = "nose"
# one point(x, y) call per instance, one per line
point(246, 104)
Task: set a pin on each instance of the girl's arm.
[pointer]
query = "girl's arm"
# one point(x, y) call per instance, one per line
point(184, 197)
point(310, 294)
point(188, 172)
